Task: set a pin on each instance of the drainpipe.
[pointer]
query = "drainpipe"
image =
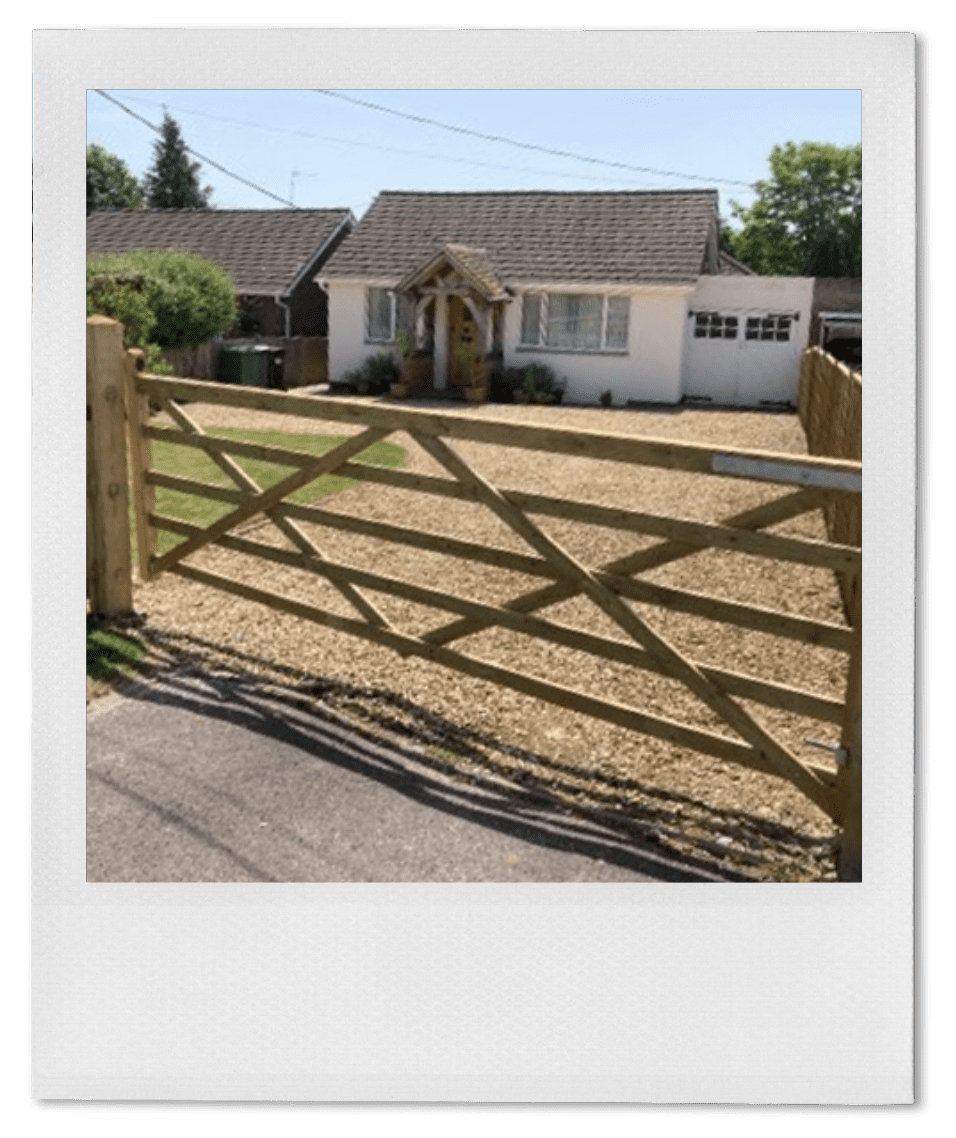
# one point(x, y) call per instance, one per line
point(288, 316)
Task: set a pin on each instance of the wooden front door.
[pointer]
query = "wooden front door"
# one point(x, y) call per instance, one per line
point(463, 341)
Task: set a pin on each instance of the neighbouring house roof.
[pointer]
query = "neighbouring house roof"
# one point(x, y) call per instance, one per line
point(728, 266)
point(637, 237)
point(264, 251)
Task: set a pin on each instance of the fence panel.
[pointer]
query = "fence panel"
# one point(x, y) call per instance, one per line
point(831, 413)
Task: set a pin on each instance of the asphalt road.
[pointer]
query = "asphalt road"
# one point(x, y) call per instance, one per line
point(216, 780)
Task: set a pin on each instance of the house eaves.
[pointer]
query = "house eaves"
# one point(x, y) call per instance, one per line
point(347, 223)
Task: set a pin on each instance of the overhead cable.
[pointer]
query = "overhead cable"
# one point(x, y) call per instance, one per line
point(196, 153)
point(528, 145)
point(394, 149)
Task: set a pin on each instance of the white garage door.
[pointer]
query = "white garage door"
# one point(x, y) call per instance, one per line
point(743, 357)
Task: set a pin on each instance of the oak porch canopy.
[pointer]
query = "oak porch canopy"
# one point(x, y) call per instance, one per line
point(456, 301)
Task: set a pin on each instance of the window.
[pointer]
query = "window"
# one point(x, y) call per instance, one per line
point(770, 327)
point(385, 315)
point(576, 322)
point(714, 326)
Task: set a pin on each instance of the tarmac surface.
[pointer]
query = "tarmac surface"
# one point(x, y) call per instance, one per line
point(192, 778)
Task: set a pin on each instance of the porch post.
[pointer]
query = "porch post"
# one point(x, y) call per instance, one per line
point(441, 342)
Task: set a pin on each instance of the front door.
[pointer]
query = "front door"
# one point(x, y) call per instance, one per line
point(463, 345)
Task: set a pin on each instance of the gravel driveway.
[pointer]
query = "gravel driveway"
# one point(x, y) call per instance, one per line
point(691, 802)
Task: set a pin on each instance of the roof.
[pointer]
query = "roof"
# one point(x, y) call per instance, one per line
point(264, 251)
point(636, 237)
point(472, 264)
point(728, 266)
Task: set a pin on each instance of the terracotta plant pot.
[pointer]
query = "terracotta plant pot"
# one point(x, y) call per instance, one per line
point(400, 390)
point(477, 394)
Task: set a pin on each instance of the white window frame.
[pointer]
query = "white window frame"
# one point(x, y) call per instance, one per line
point(779, 325)
point(714, 324)
point(369, 338)
point(544, 302)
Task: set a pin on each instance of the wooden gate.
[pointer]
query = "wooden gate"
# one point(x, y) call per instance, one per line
point(806, 483)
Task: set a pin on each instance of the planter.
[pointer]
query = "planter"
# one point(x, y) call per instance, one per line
point(477, 394)
point(400, 390)
point(522, 396)
point(417, 372)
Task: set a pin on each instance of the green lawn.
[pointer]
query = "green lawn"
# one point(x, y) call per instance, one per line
point(187, 462)
point(110, 656)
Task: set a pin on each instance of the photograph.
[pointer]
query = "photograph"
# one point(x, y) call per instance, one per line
point(474, 485)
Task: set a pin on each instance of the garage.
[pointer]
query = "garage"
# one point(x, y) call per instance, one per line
point(741, 352)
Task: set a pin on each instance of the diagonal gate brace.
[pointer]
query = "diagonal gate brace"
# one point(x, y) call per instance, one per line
point(285, 526)
point(768, 748)
point(263, 501)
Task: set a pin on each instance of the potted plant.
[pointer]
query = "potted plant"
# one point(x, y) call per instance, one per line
point(476, 371)
point(374, 376)
point(406, 346)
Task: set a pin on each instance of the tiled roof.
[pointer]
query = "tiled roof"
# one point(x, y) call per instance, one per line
point(728, 266)
point(658, 237)
point(472, 264)
point(262, 250)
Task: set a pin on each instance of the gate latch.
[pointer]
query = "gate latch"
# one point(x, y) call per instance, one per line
point(839, 753)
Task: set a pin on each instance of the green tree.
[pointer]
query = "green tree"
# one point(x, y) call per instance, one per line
point(807, 219)
point(109, 182)
point(164, 298)
point(172, 182)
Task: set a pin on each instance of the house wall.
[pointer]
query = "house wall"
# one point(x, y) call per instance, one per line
point(347, 347)
point(650, 369)
point(309, 310)
point(742, 372)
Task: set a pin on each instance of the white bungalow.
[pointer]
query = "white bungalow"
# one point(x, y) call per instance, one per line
point(621, 292)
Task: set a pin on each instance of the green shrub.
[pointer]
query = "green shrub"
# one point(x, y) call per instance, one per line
point(539, 379)
point(124, 297)
point(374, 376)
point(191, 300)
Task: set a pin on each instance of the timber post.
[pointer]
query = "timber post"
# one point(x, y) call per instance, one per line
point(137, 418)
point(849, 786)
point(109, 580)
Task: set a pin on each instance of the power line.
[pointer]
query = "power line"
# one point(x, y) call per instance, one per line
point(196, 153)
point(392, 149)
point(528, 145)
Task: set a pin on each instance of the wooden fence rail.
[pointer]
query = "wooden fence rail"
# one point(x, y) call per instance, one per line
point(806, 484)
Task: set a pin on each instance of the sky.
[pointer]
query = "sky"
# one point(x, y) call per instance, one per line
point(322, 150)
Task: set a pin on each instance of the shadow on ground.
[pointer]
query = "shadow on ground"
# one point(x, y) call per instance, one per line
point(390, 742)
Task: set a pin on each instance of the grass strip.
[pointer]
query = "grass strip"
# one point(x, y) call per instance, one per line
point(187, 462)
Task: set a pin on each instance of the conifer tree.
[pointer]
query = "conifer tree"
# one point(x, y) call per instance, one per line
point(172, 182)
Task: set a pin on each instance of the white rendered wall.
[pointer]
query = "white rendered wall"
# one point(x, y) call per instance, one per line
point(650, 370)
point(347, 346)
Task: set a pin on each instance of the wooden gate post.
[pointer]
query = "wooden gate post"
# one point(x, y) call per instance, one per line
point(849, 785)
point(109, 578)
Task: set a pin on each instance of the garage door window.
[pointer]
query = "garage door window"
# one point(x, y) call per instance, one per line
point(715, 326)
point(770, 327)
